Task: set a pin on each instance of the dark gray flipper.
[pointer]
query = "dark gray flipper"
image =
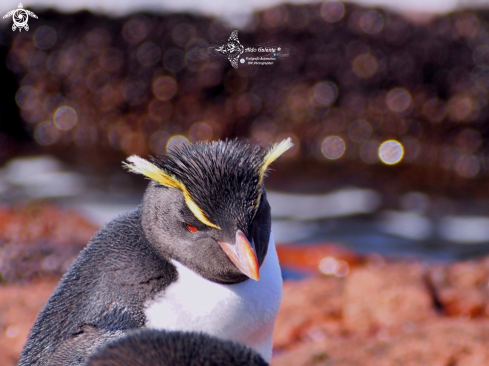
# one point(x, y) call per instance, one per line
point(102, 294)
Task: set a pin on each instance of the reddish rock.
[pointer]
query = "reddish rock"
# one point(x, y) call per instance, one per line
point(37, 244)
point(438, 343)
point(390, 296)
point(387, 313)
point(309, 257)
point(19, 307)
point(305, 304)
point(368, 312)
point(462, 288)
point(39, 240)
point(44, 223)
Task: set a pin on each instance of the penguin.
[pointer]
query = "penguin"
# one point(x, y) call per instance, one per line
point(197, 255)
point(163, 348)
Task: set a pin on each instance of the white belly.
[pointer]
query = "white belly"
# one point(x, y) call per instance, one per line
point(244, 312)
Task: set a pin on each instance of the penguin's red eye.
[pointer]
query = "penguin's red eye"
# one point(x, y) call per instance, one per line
point(191, 228)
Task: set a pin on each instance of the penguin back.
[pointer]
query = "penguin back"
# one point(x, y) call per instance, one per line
point(163, 348)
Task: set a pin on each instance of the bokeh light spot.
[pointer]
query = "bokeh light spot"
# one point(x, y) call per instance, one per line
point(26, 97)
point(460, 108)
point(332, 11)
point(176, 141)
point(333, 267)
point(365, 65)
point(371, 22)
point(467, 166)
point(12, 331)
point(158, 142)
point(97, 39)
point(182, 33)
point(46, 134)
point(149, 54)
point(200, 132)
point(165, 88)
point(45, 37)
point(333, 147)
point(328, 265)
point(398, 100)
point(325, 93)
point(136, 29)
point(65, 118)
point(391, 152)
point(274, 17)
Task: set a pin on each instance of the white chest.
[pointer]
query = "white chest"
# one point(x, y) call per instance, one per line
point(244, 312)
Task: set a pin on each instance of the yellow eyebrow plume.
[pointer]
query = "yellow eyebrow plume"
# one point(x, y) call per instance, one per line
point(273, 154)
point(149, 170)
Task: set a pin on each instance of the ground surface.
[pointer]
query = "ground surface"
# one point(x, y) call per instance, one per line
point(368, 310)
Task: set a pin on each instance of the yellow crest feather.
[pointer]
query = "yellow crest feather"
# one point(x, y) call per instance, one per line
point(149, 170)
point(275, 152)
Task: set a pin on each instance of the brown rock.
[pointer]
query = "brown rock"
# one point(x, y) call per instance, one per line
point(39, 240)
point(44, 222)
point(307, 303)
point(19, 307)
point(440, 343)
point(390, 296)
point(462, 288)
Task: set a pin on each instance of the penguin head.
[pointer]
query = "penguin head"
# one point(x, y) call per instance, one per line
point(206, 206)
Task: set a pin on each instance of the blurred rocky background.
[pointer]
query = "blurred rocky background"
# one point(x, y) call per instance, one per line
point(103, 88)
point(381, 209)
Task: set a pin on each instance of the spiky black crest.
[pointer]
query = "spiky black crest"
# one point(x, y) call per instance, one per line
point(223, 178)
point(217, 179)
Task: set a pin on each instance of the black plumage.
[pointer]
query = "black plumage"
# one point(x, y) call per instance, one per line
point(160, 348)
point(222, 177)
point(100, 297)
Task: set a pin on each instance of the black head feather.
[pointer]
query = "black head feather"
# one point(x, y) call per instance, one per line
point(222, 177)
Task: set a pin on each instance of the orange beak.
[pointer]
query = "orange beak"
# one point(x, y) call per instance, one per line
point(243, 255)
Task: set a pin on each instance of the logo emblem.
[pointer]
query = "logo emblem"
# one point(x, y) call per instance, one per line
point(232, 49)
point(20, 17)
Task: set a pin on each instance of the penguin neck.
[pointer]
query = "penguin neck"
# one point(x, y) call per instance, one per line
point(244, 312)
